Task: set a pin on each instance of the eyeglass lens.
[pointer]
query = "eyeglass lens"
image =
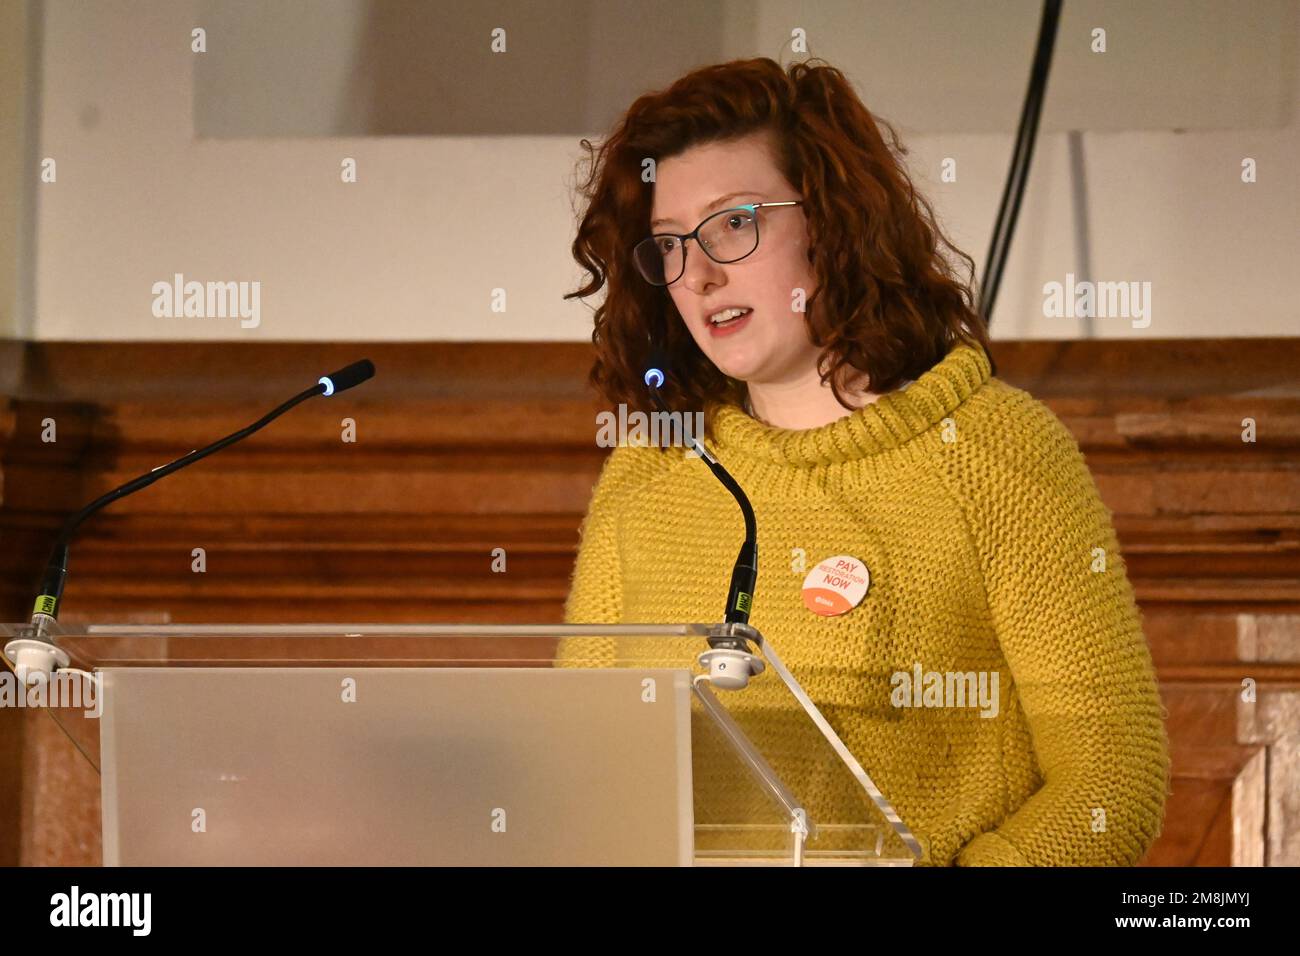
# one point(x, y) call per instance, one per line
point(725, 236)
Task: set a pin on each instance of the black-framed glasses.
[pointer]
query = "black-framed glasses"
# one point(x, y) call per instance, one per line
point(726, 236)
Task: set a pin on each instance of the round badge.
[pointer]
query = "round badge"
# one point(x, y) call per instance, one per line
point(836, 586)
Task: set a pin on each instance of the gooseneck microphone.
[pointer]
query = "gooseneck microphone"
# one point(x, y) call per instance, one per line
point(35, 653)
point(744, 574)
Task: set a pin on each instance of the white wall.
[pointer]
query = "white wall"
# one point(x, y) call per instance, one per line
point(436, 223)
point(17, 103)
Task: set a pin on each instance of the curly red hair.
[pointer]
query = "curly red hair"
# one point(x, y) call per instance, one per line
point(887, 302)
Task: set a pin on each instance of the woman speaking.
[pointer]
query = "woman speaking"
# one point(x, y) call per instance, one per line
point(751, 223)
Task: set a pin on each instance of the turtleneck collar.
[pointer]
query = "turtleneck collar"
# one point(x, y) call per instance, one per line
point(893, 419)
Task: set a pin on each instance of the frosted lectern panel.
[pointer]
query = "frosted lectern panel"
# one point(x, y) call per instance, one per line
point(250, 727)
point(388, 766)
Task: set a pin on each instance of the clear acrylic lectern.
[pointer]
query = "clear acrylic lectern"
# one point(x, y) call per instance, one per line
point(382, 744)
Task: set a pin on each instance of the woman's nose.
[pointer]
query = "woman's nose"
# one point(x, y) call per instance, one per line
point(701, 271)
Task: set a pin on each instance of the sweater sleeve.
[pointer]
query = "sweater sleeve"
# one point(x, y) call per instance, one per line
point(1070, 629)
point(596, 586)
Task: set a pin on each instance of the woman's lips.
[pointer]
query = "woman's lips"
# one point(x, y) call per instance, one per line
point(729, 328)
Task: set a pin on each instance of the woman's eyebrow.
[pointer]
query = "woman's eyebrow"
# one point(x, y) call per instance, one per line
point(711, 206)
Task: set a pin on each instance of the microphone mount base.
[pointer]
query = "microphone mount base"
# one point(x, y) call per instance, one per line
point(30, 656)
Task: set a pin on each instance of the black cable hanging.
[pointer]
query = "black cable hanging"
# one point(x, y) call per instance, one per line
point(1020, 159)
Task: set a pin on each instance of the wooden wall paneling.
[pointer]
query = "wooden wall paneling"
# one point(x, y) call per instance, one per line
point(463, 447)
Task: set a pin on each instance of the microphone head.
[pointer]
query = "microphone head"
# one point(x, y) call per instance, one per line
point(346, 377)
point(656, 368)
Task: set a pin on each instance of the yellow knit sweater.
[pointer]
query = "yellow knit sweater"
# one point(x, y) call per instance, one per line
point(989, 549)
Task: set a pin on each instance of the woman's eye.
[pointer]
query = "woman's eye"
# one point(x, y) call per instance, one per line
point(738, 221)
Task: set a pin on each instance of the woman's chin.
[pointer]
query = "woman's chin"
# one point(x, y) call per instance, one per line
point(739, 373)
point(740, 367)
